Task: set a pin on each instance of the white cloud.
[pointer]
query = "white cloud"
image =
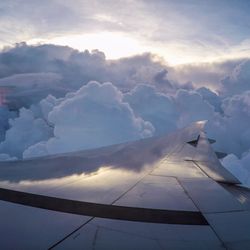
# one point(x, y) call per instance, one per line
point(191, 107)
point(94, 116)
point(231, 127)
point(5, 115)
point(211, 97)
point(238, 167)
point(238, 81)
point(24, 131)
point(153, 106)
point(203, 74)
point(6, 157)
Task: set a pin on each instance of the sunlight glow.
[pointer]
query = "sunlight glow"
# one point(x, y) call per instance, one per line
point(114, 45)
point(117, 45)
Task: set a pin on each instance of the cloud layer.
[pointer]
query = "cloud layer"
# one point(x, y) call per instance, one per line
point(63, 100)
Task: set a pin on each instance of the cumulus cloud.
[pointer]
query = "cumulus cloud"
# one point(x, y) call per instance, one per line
point(25, 89)
point(192, 107)
point(5, 115)
point(99, 114)
point(24, 131)
point(238, 81)
point(153, 106)
point(30, 80)
point(45, 106)
point(232, 129)
point(56, 70)
point(203, 74)
point(6, 157)
point(93, 116)
point(239, 167)
point(211, 97)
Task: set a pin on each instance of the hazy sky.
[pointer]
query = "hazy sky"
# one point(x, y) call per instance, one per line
point(180, 31)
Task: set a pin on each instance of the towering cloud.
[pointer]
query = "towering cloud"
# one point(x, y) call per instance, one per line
point(153, 106)
point(192, 107)
point(24, 131)
point(65, 69)
point(93, 116)
point(5, 115)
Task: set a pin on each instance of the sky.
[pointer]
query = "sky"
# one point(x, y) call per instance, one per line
point(76, 75)
point(181, 32)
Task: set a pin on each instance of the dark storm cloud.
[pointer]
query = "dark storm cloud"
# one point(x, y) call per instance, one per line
point(74, 68)
point(204, 74)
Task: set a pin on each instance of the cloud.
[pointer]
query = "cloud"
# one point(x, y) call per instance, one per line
point(212, 98)
point(6, 157)
point(66, 69)
point(153, 106)
point(203, 74)
point(162, 80)
point(238, 81)
point(131, 98)
point(25, 89)
point(32, 59)
point(38, 71)
point(30, 80)
point(5, 115)
point(126, 73)
point(56, 70)
point(45, 106)
point(24, 131)
point(239, 167)
point(33, 72)
point(99, 114)
point(232, 128)
point(192, 107)
point(19, 19)
point(94, 116)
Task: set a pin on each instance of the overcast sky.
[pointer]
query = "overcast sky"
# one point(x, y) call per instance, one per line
point(180, 31)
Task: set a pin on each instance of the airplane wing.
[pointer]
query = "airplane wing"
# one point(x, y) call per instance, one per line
point(167, 192)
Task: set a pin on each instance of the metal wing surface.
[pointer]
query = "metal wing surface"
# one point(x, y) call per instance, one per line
point(167, 192)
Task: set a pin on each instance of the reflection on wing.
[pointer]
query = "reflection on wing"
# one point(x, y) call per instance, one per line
point(168, 192)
